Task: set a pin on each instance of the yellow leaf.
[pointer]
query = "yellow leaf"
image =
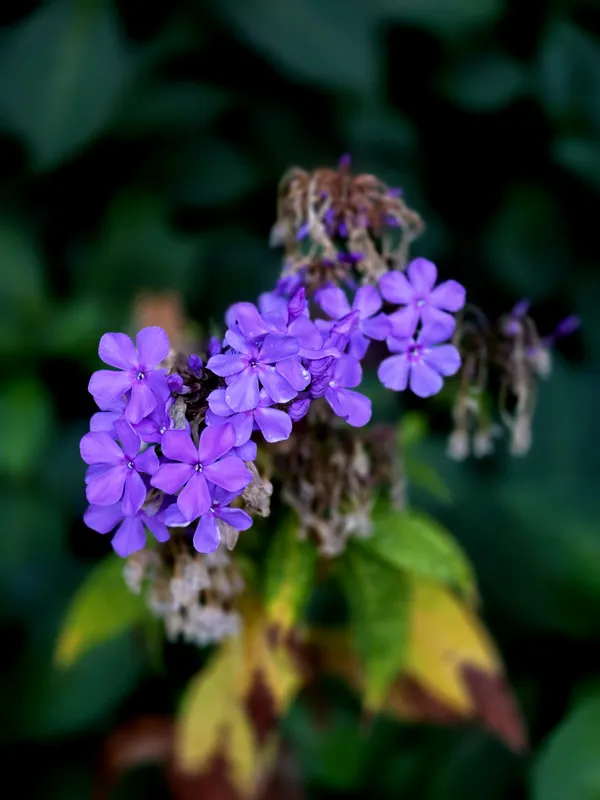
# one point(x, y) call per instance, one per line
point(444, 637)
point(206, 711)
point(216, 718)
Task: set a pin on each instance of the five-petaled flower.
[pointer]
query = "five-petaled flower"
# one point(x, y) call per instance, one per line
point(354, 407)
point(195, 468)
point(370, 322)
point(415, 291)
point(130, 535)
point(250, 363)
point(420, 363)
point(139, 377)
point(115, 472)
point(207, 534)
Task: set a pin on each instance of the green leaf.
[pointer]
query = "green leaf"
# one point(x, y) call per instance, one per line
point(26, 407)
point(581, 157)
point(484, 81)
point(290, 574)
point(569, 76)
point(568, 766)
point(57, 701)
point(64, 69)
point(378, 597)
point(423, 475)
point(526, 245)
point(168, 106)
point(138, 247)
point(102, 607)
point(445, 19)
point(331, 44)
point(414, 542)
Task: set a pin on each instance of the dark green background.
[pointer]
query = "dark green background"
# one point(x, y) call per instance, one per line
point(141, 149)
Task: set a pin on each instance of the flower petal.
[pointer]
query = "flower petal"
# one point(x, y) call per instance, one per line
point(395, 288)
point(117, 350)
point(104, 422)
point(278, 389)
point(194, 498)
point(147, 461)
point(103, 519)
point(129, 538)
point(243, 425)
point(106, 489)
point(230, 473)
point(235, 517)
point(250, 322)
point(422, 275)
point(378, 327)
point(276, 347)
point(306, 332)
point(357, 408)
point(275, 425)
point(295, 374)
point(141, 404)
point(444, 359)
point(153, 347)
point(435, 318)
point(158, 529)
point(107, 386)
point(424, 381)
point(358, 345)
point(218, 404)
point(227, 364)
point(130, 440)
point(173, 518)
point(178, 446)
point(207, 537)
point(347, 372)
point(247, 452)
point(449, 295)
point(100, 448)
point(135, 493)
point(215, 442)
point(242, 392)
point(367, 301)
point(434, 333)
point(404, 322)
point(393, 373)
point(333, 302)
point(171, 477)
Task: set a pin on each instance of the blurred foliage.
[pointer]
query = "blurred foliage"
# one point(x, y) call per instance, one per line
point(140, 150)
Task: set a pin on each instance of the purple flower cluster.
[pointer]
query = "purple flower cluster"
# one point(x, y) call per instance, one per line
point(129, 486)
point(145, 471)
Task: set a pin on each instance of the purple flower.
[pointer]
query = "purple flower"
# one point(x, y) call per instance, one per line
point(251, 363)
point(130, 536)
point(299, 408)
point(120, 473)
point(194, 468)
point(354, 407)
point(421, 300)
point(274, 424)
point(138, 372)
point(152, 428)
point(370, 324)
point(421, 362)
point(207, 534)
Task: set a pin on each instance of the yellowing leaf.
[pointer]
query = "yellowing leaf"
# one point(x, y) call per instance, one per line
point(218, 717)
point(378, 597)
point(102, 607)
point(206, 711)
point(450, 673)
point(414, 542)
point(445, 636)
point(289, 575)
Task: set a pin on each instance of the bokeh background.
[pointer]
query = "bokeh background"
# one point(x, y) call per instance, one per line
point(140, 148)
